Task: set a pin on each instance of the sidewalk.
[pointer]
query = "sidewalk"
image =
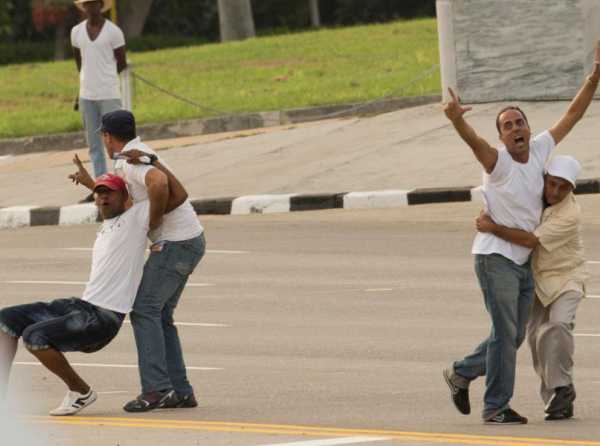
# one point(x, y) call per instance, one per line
point(403, 150)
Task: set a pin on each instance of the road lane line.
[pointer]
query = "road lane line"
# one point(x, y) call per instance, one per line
point(333, 441)
point(194, 324)
point(594, 262)
point(377, 290)
point(69, 282)
point(587, 335)
point(111, 366)
point(314, 431)
point(208, 251)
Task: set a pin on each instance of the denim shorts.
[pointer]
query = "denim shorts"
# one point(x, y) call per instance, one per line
point(66, 325)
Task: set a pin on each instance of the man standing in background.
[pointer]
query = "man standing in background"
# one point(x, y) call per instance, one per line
point(99, 49)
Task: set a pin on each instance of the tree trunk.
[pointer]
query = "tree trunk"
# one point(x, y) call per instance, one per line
point(315, 16)
point(60, 40)
point(235, 20)
point(132, 15)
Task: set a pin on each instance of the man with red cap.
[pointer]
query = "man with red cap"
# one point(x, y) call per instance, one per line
point(559, 271)
point(88, 324)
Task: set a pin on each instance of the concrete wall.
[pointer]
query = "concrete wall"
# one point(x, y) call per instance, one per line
point(497, 50)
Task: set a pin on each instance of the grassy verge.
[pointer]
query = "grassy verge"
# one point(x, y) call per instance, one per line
point(269, 73)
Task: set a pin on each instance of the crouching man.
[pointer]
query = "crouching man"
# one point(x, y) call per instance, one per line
point(49, 329)
point(559, 272)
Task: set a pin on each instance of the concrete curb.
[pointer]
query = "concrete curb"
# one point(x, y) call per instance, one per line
point(76, 140)
point(20, 216)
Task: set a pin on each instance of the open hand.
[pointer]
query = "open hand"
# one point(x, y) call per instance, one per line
point(453, 109)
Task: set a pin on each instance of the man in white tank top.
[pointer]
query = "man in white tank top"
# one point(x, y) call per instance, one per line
point(513, 187)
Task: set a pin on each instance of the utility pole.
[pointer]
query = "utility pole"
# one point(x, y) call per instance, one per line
point(315, 16)
point(235, 20)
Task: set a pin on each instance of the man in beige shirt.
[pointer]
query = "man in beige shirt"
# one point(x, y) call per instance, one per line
point(559, 271)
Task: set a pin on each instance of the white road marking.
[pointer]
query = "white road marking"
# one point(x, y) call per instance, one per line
point(593, 296)
point(44, 282)
point(225, 251)
point(113, 366)
point(208, 251)
point(377, 290)
point(587, 335)
point(333, 441)
point(194, 324)
point(594, 262)
point(67, 282)
point(113, 392)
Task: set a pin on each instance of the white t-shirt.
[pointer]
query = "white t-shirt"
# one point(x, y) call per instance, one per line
point(98, 79)
point(118, 260)
point(513, 194)
point(179, 224)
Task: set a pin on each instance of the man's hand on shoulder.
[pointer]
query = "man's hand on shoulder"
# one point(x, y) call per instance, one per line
point(135, 156)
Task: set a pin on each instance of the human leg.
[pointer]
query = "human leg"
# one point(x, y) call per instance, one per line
point(556, 347)
point(92, 118)
point(501, 284)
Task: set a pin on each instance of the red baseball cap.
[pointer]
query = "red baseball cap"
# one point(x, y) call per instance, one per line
point(112, 181)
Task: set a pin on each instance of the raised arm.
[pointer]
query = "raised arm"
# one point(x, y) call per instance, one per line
point(485, 154)
point(579, 104)
point(517, 236)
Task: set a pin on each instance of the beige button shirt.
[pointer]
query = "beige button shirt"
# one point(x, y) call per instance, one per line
point(558, 261)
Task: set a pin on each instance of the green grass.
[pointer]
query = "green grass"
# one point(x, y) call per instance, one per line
point(329, 66)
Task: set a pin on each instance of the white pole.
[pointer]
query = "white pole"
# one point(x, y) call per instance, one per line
point(445, 21)
point(127, 87)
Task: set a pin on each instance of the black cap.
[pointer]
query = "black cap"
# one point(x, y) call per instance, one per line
point(119, 123)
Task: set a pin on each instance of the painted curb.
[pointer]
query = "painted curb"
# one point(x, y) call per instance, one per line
point(195, 127)
point(20, 216)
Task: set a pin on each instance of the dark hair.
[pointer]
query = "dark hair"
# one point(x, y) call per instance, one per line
point(124, 137)
point(505, 109)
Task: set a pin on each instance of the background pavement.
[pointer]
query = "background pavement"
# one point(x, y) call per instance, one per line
point(405, 149)
point(334, 320)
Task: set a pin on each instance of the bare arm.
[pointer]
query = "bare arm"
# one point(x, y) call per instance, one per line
point(579, 104)
point(158, 193)
point(177, 193)
point(485, 154)
point(121, 58)
point(77, 55)
point(517, 236)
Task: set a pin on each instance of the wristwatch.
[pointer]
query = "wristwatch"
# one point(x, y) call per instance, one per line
point(151, 159)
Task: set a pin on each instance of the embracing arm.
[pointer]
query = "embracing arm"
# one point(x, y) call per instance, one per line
point(485, 154)
point(579, 104)
point(484, 223)
point(176, 195)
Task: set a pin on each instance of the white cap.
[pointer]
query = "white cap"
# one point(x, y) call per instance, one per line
point(564, 166)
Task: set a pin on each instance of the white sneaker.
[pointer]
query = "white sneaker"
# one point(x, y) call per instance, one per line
point(73, 403)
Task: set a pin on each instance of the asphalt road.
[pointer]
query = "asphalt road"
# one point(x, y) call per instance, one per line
point(325, 327)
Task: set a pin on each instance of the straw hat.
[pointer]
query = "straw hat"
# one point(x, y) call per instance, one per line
point(106, 7)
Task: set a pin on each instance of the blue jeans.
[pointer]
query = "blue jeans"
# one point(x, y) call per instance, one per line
point(66, 325)
point(508, 291)
point(160, 357)
point(91, 112)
